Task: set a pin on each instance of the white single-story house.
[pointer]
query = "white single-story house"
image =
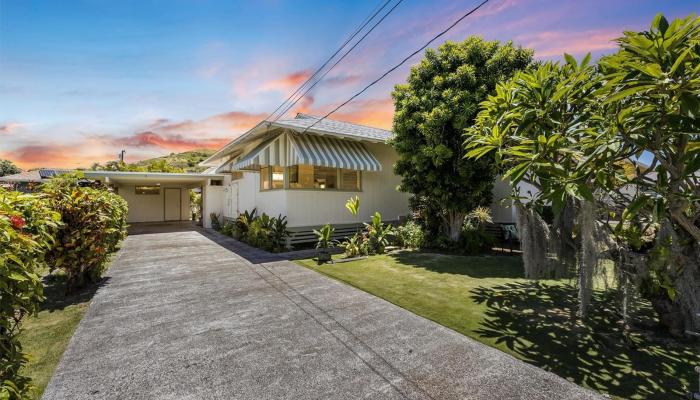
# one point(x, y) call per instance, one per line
point(301, 168)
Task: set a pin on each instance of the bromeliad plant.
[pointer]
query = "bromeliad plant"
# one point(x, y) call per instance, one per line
point(27, 228)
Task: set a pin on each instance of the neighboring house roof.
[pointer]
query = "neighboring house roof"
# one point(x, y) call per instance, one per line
point(37, 175)
point(302, 124)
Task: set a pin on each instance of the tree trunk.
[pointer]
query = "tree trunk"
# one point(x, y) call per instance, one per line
point(563, 240)
point(454, 220)
point(589, 259)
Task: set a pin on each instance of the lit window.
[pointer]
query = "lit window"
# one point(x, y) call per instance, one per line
point(325, 178)
point(265, 178)
point(301, 177)
point(152, 190)
point(277, 177)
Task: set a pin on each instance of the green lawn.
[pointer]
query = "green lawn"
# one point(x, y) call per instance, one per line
point(45, 336)
point(487, 299)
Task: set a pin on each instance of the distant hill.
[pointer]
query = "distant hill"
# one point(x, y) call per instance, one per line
point(187, 160)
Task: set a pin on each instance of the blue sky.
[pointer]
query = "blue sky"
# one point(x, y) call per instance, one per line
point(81, 80)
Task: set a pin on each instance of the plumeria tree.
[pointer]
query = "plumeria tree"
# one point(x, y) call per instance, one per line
point(580, 135)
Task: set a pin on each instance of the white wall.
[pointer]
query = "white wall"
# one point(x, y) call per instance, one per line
point(212, 202)
point(503, 211)
point(150, 208)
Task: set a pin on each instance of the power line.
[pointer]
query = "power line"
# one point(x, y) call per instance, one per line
point(392, 69)
point(339, 60)
point(363, 24)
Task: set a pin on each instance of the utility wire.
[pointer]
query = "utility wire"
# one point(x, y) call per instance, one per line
point(340, 59)
point(363, 24)
point(392, 69)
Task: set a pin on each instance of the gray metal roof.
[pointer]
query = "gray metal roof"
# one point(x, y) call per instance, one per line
point(347, 129)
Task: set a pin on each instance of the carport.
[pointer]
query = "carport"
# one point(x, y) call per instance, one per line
point(159, 196)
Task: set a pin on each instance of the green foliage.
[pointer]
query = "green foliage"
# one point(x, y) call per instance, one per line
point(215, 221)
point(324, 237)
point(94, 223)
point(377, 234)
point(7, 167)
point(474, 238)
point(356, 245)
point(175, 162)
point(353, 205)
point(27, 226)
point(573, 130)
point(409, 235)
point(433, 108)
point(265, 232)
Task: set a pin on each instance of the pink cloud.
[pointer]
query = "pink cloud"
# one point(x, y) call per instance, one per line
point(169, 142)
point(556, 43)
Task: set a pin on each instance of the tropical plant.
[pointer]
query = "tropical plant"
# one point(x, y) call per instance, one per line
point(7, 167)
point(215, 221)
point(27, 228)
point(378, 234)
point(475, 239)
point(94, 223)
point(324, 241)
point(581, 138)
point(438, 102)
point(279, 232)
point(409, 235)
point(356, 245)
point(243, 222)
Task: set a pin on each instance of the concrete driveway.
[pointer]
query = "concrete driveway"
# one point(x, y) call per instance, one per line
point(184, 317)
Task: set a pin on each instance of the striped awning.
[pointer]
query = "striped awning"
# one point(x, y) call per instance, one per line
point(331, 152)
point(269, 152)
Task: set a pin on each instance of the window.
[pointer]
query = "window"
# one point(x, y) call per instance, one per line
point(271, 178)
point(301, 177)
point(265, 178)
point(277, 177)
point(349, 179)
point(323, 178)
point(217, 182)
point(151, 190)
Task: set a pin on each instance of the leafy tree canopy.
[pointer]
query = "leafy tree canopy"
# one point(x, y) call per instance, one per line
point(440, 99)
point(7, 167)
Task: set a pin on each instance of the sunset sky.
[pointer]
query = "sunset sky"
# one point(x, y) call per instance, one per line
point(81, 80)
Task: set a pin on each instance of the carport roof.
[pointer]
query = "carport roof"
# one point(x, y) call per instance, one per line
point(150, 178)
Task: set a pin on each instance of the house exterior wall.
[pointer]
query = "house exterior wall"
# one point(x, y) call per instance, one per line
point(212, 202)
point(309, 207)
point(151, 208)
point(502, 210)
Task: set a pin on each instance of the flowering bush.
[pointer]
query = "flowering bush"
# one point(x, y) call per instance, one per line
point(94, 222)
point(27, 226)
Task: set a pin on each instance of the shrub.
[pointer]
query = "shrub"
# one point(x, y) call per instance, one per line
point(215, 221)
point(356, 246)
point(27, 226)
point(265, 232)
point(410, 235)
point(377, 234)
point(474, 238)
point(94, 222)
point(324, 241)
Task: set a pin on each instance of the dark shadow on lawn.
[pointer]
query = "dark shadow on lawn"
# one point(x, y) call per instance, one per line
point(535, 321)
point(56, 297)
point(491, 266)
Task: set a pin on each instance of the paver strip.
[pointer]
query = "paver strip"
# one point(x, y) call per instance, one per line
point(184, 317)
